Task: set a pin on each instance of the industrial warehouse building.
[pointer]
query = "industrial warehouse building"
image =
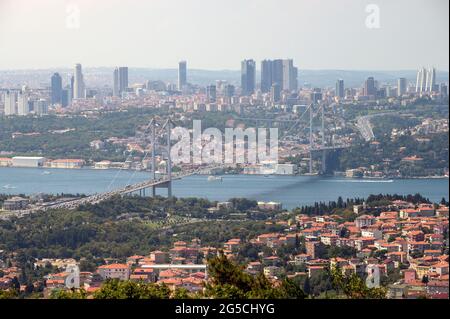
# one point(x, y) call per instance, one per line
point(24, 161)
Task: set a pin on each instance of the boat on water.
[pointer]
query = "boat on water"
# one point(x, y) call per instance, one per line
point(214, 178)
point(46, 173)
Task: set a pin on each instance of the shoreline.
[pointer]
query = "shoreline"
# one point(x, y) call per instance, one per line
point(262, 175)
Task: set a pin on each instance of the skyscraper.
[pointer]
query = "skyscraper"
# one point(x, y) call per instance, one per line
point(65, 97)
point(266, 75)
point(401, 86)
point(277, 72)
point(369, 87)
point(340, 91)
point(182, 75)
point(443, 89)
point(116, 85)
point(56, 82)
point(431, 80)
point(123, 79)
point(248, 77)
point(78, 84)
point(22, 104)
point(10, 99)
point(421, 80)
point(290, 74)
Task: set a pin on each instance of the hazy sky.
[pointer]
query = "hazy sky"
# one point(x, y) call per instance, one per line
point(218, 34)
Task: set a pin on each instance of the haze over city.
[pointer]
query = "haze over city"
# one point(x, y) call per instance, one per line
point(216, 35)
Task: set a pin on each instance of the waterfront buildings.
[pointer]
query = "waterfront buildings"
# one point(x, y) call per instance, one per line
point(26, 161)
point(67, 163)
point(15, 203)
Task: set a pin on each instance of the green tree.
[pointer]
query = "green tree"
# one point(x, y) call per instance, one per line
point(68, 294)
point(117, 289)
point(353, 287)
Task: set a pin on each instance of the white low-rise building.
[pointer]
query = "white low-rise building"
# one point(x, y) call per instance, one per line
point(25, 161)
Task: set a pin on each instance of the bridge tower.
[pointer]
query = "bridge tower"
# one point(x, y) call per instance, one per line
point(153, 138)
point(310, 138)
point(324, 151)
point(167, 126)
point(169, 159)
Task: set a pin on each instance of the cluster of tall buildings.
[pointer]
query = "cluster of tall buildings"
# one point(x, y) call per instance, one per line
point(120, 77)
point(75, 89)
point(276, 76)
point(20, 103)
point(426, 80)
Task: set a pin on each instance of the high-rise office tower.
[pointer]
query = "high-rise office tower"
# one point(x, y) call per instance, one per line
point(78, 83)
point(340, 90)
point(65, 97)
point(56, 82)
point(211, 93)
point(277, 72)
point(290, 74)
point(248, 77)
point(369, 87)
point(401, 86)
point(22, 104)
point(72, 86)
point(387, 91)
point(10, 99)
point(266, 75)
point(443, 89)
point(116, 85)
point(431, 80)
point(421, 80)
point(182, 75)
point(123, 79)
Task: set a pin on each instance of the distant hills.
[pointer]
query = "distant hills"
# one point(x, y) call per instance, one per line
point(99, 77)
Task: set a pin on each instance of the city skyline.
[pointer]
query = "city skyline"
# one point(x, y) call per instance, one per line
point(318, 46)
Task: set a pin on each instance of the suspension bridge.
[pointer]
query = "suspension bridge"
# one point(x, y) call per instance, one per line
point(156, 131)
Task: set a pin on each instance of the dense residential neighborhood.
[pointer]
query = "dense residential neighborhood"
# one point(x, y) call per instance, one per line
point(406, 244)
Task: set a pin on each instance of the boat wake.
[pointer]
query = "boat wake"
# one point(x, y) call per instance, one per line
point(9, 186)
